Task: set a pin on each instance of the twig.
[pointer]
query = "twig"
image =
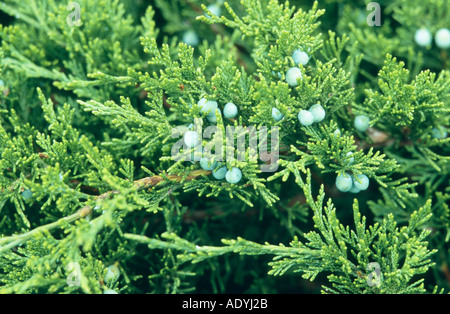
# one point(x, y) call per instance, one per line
point(9, 242)
point(15, 240)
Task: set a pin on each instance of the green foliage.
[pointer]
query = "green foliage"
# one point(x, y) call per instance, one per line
point(89, 117)
point(401, 252)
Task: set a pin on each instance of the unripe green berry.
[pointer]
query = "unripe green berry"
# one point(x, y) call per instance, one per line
point(191, 139)
point(305, 117)
point(344, 182)
point(292, 75)
point(362, 123)
point(276, 114)
point(318, 112)
point(220, 173)
point(230, 110)
point(361, 181)
point(234, 175)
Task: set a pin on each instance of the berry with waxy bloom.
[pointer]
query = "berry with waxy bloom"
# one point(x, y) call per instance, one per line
point(191, 139)
point(361, 181)
point(276, 114)
point(362, 123)
point(344, 182)
point(305, 117)
point(318, 112)
point(234, 175)
point(230, 110)
point(212, 116)
point(190, 38)
point(300, 57)
point(292, 75)
point(208, 164)
point(423, 37)
point(220, 173)
point(442, 38)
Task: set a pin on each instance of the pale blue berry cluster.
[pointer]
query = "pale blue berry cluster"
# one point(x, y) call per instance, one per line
point(349, 183)
point(219, 172)
point(314, 115)
point(210, 107)
point(294, 74)
point(424, 38)
point(344, 182)
point(191, 140)
point(318, 112)
point(306, 117)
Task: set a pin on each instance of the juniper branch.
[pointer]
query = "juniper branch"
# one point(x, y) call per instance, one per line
point(6, 243)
